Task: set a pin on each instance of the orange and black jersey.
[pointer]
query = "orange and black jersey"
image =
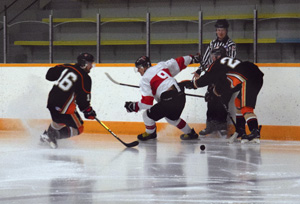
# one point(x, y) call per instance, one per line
point(72, 83)
point(215, 74)
point(226, 73)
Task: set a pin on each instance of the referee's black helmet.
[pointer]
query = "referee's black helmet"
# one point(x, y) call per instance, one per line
point(222, 23)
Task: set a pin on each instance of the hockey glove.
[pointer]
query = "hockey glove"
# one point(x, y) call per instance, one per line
point(196, 58)
point(131, 106)
point(208, 97)
point(89, 113)
point(187, 84)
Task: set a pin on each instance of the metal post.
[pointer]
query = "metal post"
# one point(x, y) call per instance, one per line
point(148, 35)
point(200, 32)
point(98, 37)
point(4, 37)
point(255, 36)
point(51, 38)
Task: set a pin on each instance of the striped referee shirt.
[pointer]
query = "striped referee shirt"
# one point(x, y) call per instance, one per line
point(227, 43)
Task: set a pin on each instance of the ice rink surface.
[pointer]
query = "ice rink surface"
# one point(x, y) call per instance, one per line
point(93, 168)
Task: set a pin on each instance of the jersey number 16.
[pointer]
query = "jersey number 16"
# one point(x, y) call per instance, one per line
point(65, 82)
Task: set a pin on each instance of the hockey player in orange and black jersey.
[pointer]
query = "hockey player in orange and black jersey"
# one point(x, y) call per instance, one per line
point(230, 75)
point(72, 87)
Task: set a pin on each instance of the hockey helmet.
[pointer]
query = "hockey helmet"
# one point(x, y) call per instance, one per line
point(222, 23)
point(143, 61)
point(219, 51)
point(83, 58)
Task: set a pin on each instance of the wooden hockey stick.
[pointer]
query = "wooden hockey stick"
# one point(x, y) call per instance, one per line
point(132, 144)
point(135, 86)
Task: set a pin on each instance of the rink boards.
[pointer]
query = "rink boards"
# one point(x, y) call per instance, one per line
point(25, 90)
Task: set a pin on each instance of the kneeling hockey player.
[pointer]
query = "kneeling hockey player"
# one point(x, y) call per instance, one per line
point(72, 83)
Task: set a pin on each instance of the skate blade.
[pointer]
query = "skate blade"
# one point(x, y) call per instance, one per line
point(45, 141)
point(53, 145)
point(244, 141)
point(255, 141)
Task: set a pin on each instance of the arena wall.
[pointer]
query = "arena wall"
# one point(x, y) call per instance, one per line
point(24, 92)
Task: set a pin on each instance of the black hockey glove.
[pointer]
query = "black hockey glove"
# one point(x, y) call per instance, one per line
point(197, 58)
point(131, 106)
point(187, 84)
point(200, 69)
point(209, 96)
point(89, 113)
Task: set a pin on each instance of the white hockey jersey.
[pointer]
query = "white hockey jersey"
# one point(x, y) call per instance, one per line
point(159, 78)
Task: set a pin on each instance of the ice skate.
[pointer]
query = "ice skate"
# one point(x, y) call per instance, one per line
point(210, 128)
point(45, 138)
point(190, 136)
point(205, 132)
point(146, 136)
point(253, 137)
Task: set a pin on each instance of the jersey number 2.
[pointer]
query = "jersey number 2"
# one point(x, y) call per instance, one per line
point(232, 63)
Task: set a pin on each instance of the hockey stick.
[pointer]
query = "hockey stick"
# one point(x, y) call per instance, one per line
point(135, 86)
point(132, 144)
point(226, 109)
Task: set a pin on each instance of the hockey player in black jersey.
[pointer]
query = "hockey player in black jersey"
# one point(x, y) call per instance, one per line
point(72, 88)
point(229, 75)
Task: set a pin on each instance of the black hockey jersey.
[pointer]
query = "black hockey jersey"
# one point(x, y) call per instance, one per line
point(226, 73)
point(72, 85)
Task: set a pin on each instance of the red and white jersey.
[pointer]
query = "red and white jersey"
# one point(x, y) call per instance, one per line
point(159, 78)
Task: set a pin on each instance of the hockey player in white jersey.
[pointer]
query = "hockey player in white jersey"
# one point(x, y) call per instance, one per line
point(157, 83)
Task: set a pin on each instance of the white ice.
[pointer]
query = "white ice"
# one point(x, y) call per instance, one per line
point(99, 169)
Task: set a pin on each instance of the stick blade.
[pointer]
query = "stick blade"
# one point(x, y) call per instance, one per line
point(132, 144)
point(111, 79)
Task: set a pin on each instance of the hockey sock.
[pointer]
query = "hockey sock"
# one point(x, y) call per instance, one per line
point(149, 123)
point(67, 132)
point(240, 121)
point(251, 120)
point(180, 124)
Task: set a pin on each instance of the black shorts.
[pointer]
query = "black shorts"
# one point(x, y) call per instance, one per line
point(249, 91)
point(73, 120)
point(170, 106)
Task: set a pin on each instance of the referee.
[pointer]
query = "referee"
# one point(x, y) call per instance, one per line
point(216, 114)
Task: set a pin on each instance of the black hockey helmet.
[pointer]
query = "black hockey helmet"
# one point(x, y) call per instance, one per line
point(83, 58)
point(222, 23)
point(219, 51)
point(143, 61)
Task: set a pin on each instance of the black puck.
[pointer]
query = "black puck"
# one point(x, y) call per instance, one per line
point(202, 147)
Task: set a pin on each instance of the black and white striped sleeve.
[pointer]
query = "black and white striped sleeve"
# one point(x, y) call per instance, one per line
point(231, 48)
point(206, 60)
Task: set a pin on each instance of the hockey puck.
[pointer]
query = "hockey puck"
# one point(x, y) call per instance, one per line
point(202, 147)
